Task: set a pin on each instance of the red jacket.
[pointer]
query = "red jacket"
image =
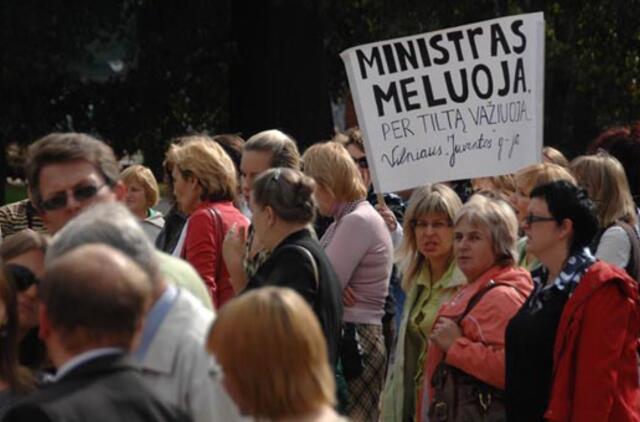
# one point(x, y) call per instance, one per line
point(201, 248)
point(595, 374)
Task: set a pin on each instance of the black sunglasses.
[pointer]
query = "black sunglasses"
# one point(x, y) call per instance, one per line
point(80, 193)
point(530, 219)
point(23, 277)
point(361, 162)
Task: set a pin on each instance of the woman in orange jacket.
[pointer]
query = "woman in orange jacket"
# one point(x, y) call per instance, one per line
point(571, 349)
point(468, 336)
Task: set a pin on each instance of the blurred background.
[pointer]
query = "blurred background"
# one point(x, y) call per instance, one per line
point(138, 72)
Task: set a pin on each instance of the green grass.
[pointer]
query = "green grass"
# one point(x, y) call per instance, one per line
point(14, 193)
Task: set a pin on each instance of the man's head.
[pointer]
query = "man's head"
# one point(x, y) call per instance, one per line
point(111, 224)
point(92, 297)
point(67, 172)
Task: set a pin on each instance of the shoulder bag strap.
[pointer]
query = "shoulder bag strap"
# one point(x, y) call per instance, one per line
point(479, 295)
point(219, 227)
point(309, 255)
point(633, 267)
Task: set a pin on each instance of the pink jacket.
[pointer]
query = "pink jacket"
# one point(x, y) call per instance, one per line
point(480, 349)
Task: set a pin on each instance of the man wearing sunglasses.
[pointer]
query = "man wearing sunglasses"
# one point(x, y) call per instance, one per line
point(67, 172)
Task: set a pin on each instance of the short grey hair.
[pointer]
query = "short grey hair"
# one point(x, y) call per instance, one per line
point(110, 224)
point(499, 220)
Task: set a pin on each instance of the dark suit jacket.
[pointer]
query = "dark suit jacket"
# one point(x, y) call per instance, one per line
point(104, 389)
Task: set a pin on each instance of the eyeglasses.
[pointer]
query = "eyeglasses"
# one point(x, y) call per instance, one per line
point(530, 219)
point(80, 194)
point(22, 276)
point(436, 225)
point(361, 162)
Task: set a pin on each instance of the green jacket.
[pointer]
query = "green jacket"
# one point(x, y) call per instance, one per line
point(420, 308)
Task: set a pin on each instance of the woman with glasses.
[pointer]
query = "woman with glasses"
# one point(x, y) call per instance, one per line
point(430, 278)
point(359, 246)
point(526, 180)
point(15, 380)
point(571, 349)
point(465, 355)
point(23, 256)
point(604, 178)
point(204, 184)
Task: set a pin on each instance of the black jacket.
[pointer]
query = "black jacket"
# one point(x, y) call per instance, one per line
point(289, 267)
point(104, 389)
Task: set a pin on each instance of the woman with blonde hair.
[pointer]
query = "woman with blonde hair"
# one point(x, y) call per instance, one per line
point(204, 184)
point(554, 156)
point(466, 347)
point(604, 179)
point(526, 180)
point(142, 195)
point(359, 246)
point(430, 278)
point(274, 357)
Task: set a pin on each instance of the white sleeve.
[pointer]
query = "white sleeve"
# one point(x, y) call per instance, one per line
point(614, 247)
point(396, 235)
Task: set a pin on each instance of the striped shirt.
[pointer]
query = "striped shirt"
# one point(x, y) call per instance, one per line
point(19, 216)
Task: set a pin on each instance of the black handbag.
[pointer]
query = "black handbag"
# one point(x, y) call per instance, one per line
point(351, 352)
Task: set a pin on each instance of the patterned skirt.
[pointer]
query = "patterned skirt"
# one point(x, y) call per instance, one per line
point(365, 390)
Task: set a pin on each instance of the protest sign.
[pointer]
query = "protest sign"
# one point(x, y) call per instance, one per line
point(452, 104)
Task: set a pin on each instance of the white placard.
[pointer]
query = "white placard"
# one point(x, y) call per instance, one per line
point(458, 103)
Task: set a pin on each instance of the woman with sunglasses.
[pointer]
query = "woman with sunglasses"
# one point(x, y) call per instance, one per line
point(23, 256)
point(14, 380)
point(430, 279)
point(571, 348)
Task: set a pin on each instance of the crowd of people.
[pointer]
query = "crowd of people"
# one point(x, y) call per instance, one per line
point(279, 286)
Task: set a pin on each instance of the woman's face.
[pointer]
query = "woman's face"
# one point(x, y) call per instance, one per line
point(360, 158)
point(135, 199)
point(325, 200)
point(473, 249)
point(542, 235)
point(520, 200)
point(186, 190)
point(259, 219)
point(252, 164)
point(28, 304)
point(434, 236)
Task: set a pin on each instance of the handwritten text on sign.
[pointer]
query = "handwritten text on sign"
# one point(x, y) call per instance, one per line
point(458, 103)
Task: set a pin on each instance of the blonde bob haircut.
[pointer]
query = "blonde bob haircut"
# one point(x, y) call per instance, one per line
point(541, 174)
point(143, 176)
point(272, 351)
point(554, 156)
point(497, 218)
point(605, 181)
point(429, 199)
point(331, 166)
point(203, 158)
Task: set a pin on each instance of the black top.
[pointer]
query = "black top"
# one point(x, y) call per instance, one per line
point(169, 235)
point(529, 341)
point(104, 389)
point(289, 267)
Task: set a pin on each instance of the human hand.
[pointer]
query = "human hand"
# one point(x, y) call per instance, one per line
point(348, 297)
point(444, 333)
point(232, 253)
point(387, 216)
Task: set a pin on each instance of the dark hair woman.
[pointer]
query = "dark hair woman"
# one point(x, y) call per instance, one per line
point(14, 380)
point(571, 349)
point(283, 207)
